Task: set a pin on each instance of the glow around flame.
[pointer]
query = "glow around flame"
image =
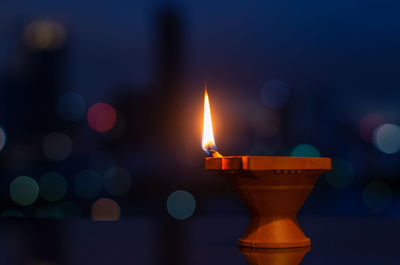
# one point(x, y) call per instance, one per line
point(208, 136)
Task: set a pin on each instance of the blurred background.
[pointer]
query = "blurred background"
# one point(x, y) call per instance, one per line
point(101, 110)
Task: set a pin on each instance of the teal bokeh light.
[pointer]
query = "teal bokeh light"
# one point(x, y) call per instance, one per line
point(341, 175)
point(52, 186)
point(24, 190)
point(377, 196)
point(305, 150)
point(181, 204)
point(49, 213)
point(12, 213)
point(70, 209)
point(88, 184)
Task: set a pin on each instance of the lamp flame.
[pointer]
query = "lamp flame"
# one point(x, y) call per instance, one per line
point(208, 142)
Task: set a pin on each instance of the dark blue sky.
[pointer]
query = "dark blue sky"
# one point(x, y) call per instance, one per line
point(339, 58)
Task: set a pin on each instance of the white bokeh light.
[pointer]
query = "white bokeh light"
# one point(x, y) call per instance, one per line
point(3, 138)
point(387, 138)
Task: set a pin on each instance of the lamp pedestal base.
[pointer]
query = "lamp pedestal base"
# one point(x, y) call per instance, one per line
point(270, 233)
point(289, 256)
point(273, 189)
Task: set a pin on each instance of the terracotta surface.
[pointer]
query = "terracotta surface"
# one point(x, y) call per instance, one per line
point(278, 256)
point(273, 189)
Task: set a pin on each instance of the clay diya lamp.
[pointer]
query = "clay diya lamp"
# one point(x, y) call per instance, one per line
point(273, 189)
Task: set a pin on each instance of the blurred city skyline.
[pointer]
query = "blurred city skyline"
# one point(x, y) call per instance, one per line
point(284, 79)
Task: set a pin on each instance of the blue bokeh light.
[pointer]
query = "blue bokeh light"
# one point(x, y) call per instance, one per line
point(71, 106)
point(117, 181)
point(88, 184)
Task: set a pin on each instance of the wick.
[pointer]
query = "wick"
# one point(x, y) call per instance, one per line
point(214, 153)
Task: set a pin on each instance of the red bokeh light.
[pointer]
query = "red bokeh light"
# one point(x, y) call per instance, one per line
point(101, 117)
point(105, 209)
point(368, 124)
